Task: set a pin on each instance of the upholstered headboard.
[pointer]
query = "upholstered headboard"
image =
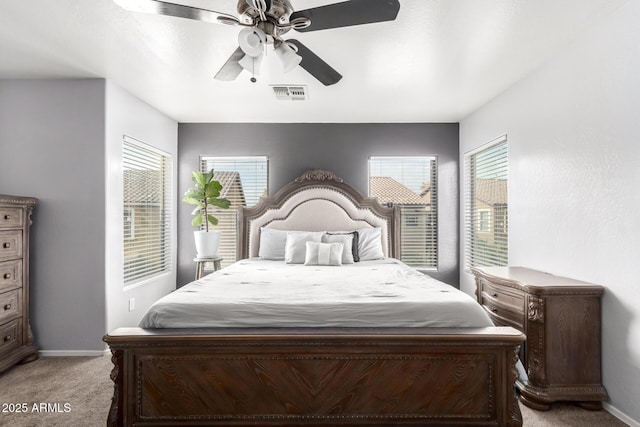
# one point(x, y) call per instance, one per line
point(316, 201)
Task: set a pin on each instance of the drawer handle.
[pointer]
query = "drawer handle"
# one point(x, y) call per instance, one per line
point(7, 217)
point(494, 310)
point(6, 245)
point(7, 307)
point(7, 338)
point(495, 295)
point(7, 276)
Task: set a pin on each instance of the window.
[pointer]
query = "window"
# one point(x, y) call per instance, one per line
point(486, 205)
point(483, 220)
point(129, 223)
point(411, 184)
point(146, 211)
point(244, 181)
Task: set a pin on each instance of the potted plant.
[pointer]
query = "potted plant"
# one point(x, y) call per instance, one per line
point(205, 193)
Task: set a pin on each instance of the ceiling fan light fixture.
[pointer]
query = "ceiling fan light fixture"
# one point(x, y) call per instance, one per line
point(251, 63)
point(288, 57)
point(252, 41)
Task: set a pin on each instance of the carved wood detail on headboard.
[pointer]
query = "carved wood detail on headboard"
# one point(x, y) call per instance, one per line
point(318, 175)
point(317, 179)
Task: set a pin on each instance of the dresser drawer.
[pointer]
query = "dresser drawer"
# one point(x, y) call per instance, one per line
point(10, 244)
point(503, 297)
point(504, 317)
point(10, 217)
point(10, 275)
point(10, 305)
point(10, 336)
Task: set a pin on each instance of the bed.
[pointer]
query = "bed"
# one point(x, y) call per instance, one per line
point(336, 358)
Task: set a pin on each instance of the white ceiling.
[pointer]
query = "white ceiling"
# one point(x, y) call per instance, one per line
point(437, 62)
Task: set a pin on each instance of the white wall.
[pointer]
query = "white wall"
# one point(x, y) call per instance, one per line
point(61, 141)
point(52, 148)
point(574, 147)
point(127, 115)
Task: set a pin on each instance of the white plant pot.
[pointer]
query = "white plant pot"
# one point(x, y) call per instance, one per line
point(207, 243)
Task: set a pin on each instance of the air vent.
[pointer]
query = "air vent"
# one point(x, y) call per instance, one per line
point(290, 93)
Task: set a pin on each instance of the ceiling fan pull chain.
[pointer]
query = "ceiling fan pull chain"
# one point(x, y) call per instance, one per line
point(253, 70)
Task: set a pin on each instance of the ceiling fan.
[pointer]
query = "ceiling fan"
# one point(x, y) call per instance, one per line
point(265, 22)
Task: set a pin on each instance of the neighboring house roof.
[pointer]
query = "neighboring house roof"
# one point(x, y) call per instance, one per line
point(388, 190)
point(426, 193)
point(492, 191)
point(148, 188)
point(231, 187)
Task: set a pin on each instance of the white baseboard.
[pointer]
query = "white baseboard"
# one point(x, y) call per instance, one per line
point(73, 353)
point(620, 415)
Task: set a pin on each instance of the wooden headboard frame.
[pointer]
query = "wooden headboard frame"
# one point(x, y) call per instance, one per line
point(309, 195)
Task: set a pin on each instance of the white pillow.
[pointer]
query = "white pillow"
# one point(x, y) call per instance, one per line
point(370, 244)
point(295, 247)
point(324, 253)
point(354, 245)
point(272, 243)
point(347, 242)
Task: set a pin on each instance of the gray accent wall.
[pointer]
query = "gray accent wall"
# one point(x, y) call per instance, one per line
point(342, 148)
point(52, 148)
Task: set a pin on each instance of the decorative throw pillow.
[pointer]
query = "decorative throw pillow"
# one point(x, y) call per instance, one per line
point(295, 246)
point(346, 240)
point(370, 244)
point(323, 253)
point(354, 245)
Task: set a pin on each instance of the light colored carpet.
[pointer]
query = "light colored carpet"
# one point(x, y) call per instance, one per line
point(76, 392)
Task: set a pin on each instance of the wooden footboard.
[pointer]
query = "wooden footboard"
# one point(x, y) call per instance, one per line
point(314, 377)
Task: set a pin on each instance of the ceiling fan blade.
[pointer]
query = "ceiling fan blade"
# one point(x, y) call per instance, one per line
point(177, 10)
point(316, 66)
point(348, 13)
point(231, 69)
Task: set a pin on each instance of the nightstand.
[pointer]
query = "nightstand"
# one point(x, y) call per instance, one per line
point(201, 262)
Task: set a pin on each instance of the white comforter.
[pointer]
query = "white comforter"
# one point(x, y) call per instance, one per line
point(258, 293)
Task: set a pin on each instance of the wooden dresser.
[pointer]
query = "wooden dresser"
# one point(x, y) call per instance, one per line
point(561, 319)
point(16, 339)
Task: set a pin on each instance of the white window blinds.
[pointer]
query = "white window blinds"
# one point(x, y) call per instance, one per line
point(486, 205)
point(146, 211)
point(411, 184)
point(244, 181)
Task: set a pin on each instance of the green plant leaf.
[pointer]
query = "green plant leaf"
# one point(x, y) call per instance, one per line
point(213, 189)
point(198, 220)
point(192, 201)
point(212, 219)
point(199, 178)
point(194, 193)
point(220, 203)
